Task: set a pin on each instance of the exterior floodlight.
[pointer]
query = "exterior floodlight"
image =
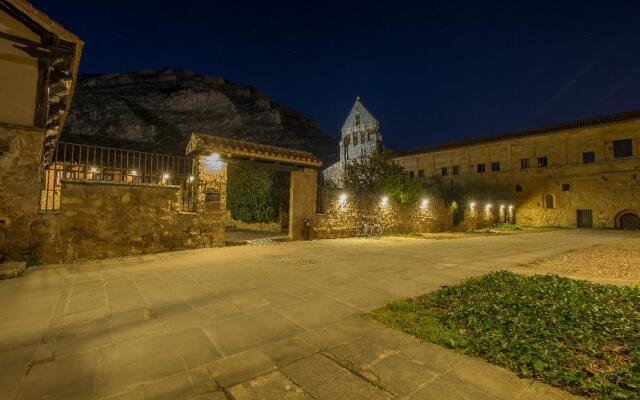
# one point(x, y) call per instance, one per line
point(212, 162)
point(165, 176)
point(501, 206)
point(94, 170)
point(510, 207)
point(488, 206)
point(134, 172)
point(472, 204)
point(192, 178)
point(424, 203)
point(343, 198)
point(384, 201)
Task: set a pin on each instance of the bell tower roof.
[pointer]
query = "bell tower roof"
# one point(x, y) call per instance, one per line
point(359, 116)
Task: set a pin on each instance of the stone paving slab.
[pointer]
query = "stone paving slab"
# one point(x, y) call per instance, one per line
point(274, 322)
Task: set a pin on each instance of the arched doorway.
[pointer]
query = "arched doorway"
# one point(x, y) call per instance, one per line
point(628, 220)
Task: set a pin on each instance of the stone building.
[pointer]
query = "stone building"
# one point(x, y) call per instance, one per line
point(38, 69)
point(579, 174)
point(361, 137)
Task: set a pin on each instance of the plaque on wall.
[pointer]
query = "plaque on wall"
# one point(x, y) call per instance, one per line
point(212, 196)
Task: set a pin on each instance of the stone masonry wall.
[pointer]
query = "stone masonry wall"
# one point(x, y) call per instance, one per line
point(340, 218)
point(607, 186)
point(98, 220)
point(20, 154)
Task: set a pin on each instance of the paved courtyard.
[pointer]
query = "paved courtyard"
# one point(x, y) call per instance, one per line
point(261, 322)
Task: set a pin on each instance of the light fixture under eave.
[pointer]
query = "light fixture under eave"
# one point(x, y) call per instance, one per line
point(212, 162)
point(134, 172)
point(488, 206)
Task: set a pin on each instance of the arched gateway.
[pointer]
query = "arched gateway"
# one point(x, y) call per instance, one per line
point(628, 219)
point(211, 154)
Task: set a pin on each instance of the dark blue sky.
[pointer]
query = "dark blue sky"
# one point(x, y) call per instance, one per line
point(432, 72)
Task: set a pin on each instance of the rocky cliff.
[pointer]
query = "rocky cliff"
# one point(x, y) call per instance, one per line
point(157, 110)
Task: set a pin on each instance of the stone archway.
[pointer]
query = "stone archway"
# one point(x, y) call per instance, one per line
point(302, 166)
point(628, 219)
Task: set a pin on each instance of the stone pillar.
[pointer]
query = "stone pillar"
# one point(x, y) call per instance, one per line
point(302, 201)
point(20, 155)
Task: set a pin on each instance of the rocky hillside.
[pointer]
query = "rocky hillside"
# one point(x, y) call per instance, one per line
point(157, 110)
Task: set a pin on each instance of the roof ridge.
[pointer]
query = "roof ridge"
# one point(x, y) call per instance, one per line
point(557, 127)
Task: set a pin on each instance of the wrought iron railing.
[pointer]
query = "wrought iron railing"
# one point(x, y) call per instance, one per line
point(71, 161)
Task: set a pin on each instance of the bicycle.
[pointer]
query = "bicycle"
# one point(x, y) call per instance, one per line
point(366, 229)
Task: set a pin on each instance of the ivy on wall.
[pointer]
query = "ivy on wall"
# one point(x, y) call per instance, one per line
point(256, 194)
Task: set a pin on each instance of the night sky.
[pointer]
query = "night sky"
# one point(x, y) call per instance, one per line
point(432, 72)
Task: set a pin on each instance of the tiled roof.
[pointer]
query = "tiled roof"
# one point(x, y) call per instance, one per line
point(201, 142)
point(580, 124)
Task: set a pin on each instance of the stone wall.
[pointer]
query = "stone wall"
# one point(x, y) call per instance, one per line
point(99, 220)
point(20, 155)
point(302, 201)
point(341, 217)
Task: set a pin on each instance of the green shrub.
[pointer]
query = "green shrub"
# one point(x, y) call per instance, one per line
point(33, 259)
point(401, 188)
point(579, 336)
point(256, 195)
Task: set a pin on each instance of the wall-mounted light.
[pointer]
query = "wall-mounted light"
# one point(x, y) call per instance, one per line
point(212, 162)
point(94, 170)
point(384, 201)
point(165, 176)
point(134, 172)
point(424, 203)
point(472, 205)
point(502, 206)
point(510, 207)
point(488, 207)
point(192, 178)
point(342, 199)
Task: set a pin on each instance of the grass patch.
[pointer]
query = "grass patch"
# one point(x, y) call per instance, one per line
point(579, 336)
point(405, 234)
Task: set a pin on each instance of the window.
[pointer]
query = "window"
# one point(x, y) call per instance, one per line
point(495, 166)
point(456, 170)
point(542, 162)
point(549, 201)
point(524, 163)
point(358, 118)
point(411, 174)
point(566, 187)
point(355, 139)
point(588, 157)
point(362, 137)
point(622, 148)
point(518, 188)
point(421, 173)
point(480, 168)
point(444, 171)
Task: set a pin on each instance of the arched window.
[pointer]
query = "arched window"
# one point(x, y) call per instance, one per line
point(355, 138)
point(549, 201)
point(358, 118)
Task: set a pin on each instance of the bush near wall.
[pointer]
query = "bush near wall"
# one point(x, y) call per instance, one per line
point(256, 195)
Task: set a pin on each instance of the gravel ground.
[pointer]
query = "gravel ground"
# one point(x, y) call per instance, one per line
point(612, 261)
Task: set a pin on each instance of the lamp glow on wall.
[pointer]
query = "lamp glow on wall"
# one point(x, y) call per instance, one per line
point(342, 200)
point(212, 162)
point(424, 203)
point(384, 201)
point(472, 205)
